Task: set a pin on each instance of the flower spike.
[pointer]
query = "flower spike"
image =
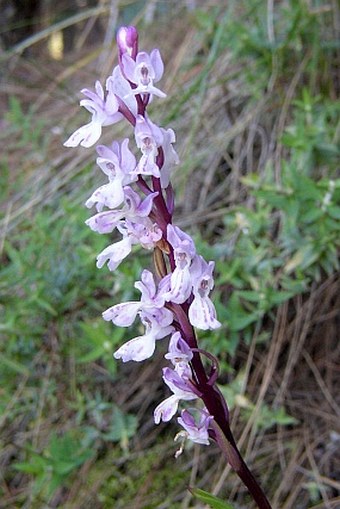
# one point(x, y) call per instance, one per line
point(137, 201)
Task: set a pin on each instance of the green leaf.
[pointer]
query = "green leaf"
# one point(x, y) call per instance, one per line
point(13, 365)
point(211, 500)
point(92, 355)
point(302, 258)
point(283, 419)
point(312, 215)
point(239, 322)
point(45, 305)
point(123, 427)
point(334, 212)
point(281, 296)
point(62, 468)
point(35, 467)
point(250, 295)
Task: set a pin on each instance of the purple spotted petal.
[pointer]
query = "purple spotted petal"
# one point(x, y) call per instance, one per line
point(109, 195)
point(183, 245)
point(202, 314)
point(137, 349)
point(166, 409)
point(122, 315)
point(115, 253)
point(86, 136)
point(104, 222)
point(170, 157)
point(180, 286)
point(178, 383)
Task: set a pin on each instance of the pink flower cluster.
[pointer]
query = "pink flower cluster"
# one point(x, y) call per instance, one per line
point(138, 202)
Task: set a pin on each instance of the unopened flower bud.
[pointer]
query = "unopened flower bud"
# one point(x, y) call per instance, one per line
point(127, 40)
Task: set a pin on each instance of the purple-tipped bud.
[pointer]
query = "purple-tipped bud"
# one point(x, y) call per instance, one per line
point(127, 40)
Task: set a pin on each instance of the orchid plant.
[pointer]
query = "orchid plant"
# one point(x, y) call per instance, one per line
point(138, 201)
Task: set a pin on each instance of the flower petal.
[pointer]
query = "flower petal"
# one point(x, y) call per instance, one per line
point(114, 254)
point(109, 195)
point(157, 64)
point(104, 222)
point(202, 314)
point(166, 409)
point(197, 432)
point(122, 315)
point(180, 286)
point(129, 66)
point(86, 136)
point(137, 349)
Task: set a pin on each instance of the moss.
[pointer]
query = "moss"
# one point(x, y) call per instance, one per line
point(147, 479)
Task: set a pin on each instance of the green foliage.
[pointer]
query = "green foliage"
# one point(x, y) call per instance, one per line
point(21, 122)
point(48, 271)
point(297, 31)
point(65, 453)
point(211, 500)
point(47, 275)
point(289, 236)
point(312, 135)
point(305, 212)
point(268, 417)
point(52, 469)
point(110, 424)
point(4, 178)
point(148, 475)
point(265, 416)
point(315, 491)
point(97, 340)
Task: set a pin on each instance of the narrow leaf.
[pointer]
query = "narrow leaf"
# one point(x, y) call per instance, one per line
point(211, 500)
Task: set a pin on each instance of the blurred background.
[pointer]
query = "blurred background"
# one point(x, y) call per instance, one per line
point(253, 95)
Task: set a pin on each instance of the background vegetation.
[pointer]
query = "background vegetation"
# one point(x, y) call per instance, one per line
point(253, 91)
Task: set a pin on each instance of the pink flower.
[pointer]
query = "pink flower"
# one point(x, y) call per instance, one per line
point(116, 84)
point(152, 299)
point(144, 233)
point(117, 162)
point(170, 156)
point(179, 384)
point(202, 313)
point(149, 138)
point(157, 326)
point(144, 71)
point(179, 353)
point(134, 209)
point(196, 430)
point(104, 112)
point(184, 251)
